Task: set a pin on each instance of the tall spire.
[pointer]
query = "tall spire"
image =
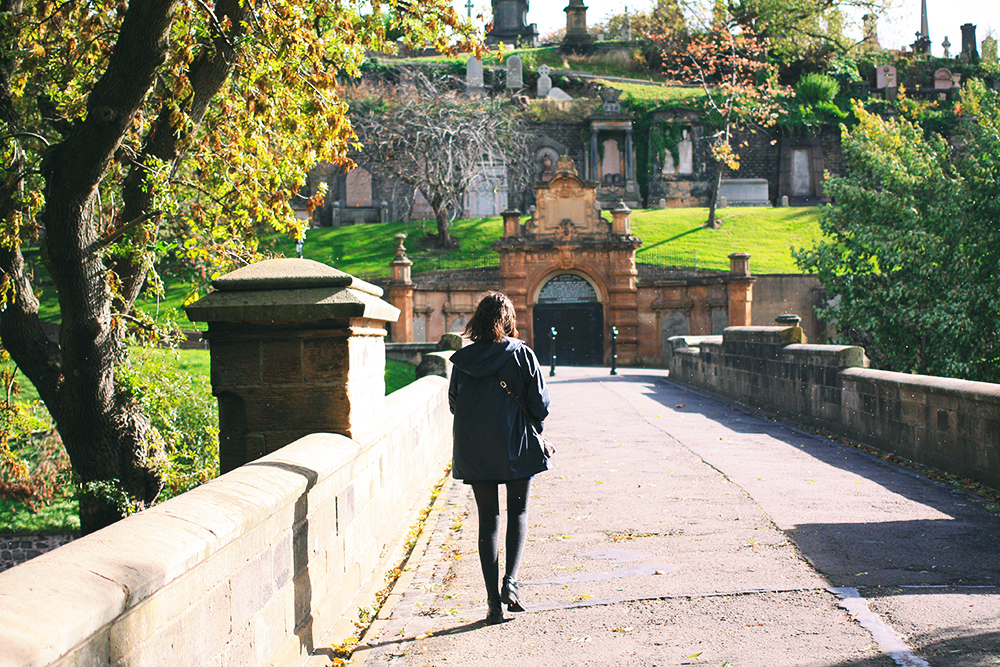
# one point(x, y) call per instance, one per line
point(924, 32)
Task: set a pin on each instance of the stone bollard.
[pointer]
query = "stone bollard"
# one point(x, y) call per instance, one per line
point(297, 347)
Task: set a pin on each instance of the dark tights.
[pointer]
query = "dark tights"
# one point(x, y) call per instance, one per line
point(488, 505)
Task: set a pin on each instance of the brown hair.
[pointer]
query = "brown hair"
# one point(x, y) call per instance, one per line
point(494, 318)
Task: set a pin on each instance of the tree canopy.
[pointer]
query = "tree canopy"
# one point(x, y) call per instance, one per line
point(912, 264)
point(128, 126)
point(437, 142)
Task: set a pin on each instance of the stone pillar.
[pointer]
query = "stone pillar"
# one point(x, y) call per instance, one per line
point(511, 223)
point(740, 288)
point(629, 159)
point(970, 54)
point(297, 347)
point(623, 307)
point(401, 293)
point(595, 157)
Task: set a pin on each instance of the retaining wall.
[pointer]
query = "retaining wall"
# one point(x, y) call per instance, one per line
point(252, 568)
point(952, 425)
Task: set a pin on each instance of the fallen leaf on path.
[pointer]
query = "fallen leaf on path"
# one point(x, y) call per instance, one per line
point(681, 405)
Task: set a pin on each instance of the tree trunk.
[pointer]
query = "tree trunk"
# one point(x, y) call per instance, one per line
point(101, 425)
point(442, 213)
point(713, 198)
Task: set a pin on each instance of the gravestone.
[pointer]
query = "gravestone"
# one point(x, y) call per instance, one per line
point(989, 51)
point(943, 79)
point(946, 45)
point(544, 82)
point(558, 94)
point(801, 172)
point(515, 80)
point(885, 77)
point(474, 75)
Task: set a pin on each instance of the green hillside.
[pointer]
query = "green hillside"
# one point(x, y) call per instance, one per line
point(768, 234)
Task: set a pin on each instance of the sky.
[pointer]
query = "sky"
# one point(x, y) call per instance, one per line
point(896, 28)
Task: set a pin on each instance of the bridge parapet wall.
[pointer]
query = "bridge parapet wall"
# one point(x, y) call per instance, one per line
point(323, 476)
point(949, 424)
point(252, 568)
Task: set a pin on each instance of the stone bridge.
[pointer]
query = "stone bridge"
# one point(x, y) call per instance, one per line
point(677, 527)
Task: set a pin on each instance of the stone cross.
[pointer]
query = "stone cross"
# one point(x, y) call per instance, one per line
point(946, 45)
point(885, 77)
point(514, 75)
point(474, 75)
point(544, 82)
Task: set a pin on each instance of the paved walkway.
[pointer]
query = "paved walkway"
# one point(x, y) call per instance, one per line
point(675, 530)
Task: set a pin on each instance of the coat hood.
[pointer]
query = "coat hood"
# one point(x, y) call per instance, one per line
point(485, 359)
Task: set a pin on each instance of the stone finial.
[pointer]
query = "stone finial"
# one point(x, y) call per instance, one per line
point(565, 165)
point(739, 263)
point(620, 221)
point(401, 263)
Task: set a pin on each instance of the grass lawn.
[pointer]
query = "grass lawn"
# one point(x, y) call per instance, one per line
point(768, 234)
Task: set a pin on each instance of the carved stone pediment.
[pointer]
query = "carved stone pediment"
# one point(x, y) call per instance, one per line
point(567, 199)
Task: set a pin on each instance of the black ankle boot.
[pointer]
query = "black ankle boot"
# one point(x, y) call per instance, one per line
point(509, 596)
point(495, 615)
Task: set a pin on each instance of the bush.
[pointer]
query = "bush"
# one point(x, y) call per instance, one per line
point(814, 88)
point(183, 413)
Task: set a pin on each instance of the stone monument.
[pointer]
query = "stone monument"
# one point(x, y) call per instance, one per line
point(544, 81)
point(515, 79)
point(969, 52)
point(474, 75)
point(509, 24)
point(577, 39)
point(989, 54)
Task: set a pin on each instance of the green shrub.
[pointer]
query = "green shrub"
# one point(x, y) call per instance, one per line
point(814, 88)
point(183, 413)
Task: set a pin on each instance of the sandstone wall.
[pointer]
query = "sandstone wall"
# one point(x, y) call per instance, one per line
point(952, 425)
point(253, 568)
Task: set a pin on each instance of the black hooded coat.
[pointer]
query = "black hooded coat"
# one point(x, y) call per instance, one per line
point(492, 439)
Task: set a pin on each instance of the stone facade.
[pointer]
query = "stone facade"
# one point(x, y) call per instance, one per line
point(569, 268)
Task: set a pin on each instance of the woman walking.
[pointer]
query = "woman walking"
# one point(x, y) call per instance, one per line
point(494, 440)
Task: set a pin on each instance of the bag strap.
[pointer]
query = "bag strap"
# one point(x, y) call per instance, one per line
point(511, 394)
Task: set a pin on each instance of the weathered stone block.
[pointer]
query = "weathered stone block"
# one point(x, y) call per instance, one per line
point(235, 364)
point(281, 361)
